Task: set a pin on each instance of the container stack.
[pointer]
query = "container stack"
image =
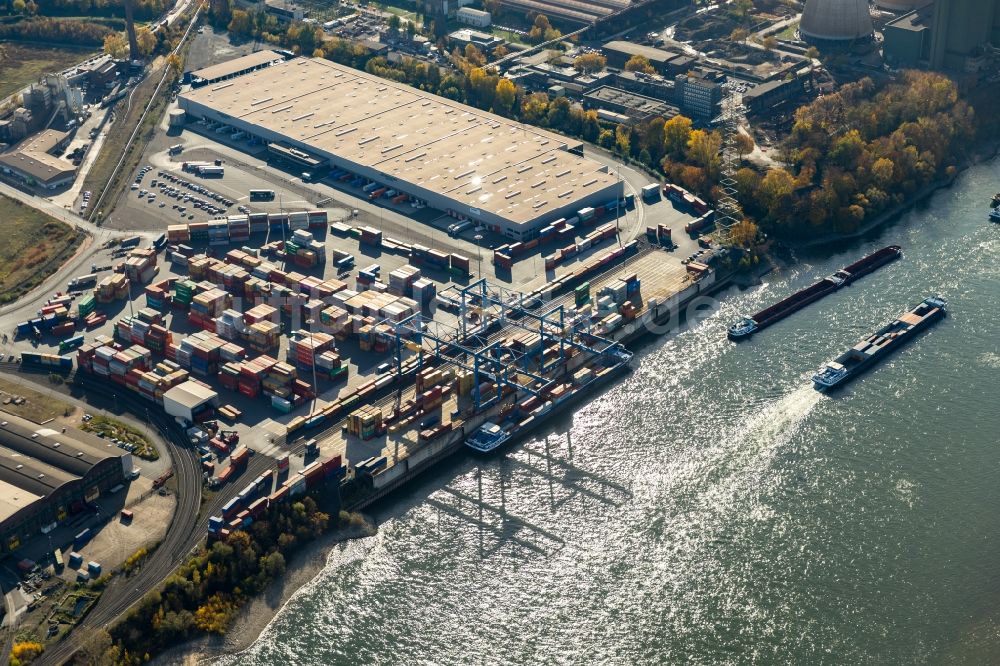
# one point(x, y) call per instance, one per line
point(371, 236)
point(229, 324)
point(178, 233)
point(239, 228)
point(459, 265)
point(330, 366)
point(401, 280)
point(111, 288)
point(199, 232)
point(208, 305)
point(317, 219)
point(616, 290)
point(119, 363)
point(304, 347)
point(258, 223)
point(183, 293)
point(86, 305)
point(298, 220)
point(278, 380)
point(157, 295)
point(262, 336)
point(581, 294)
point(140, 266)
point(336, 319)
point(252, 374)
point(424, 292)
point(365, 422)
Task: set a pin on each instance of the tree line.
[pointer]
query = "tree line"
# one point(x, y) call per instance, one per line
point(204, 594)
point(63, 31)
point(142, 9)
point(859, 152)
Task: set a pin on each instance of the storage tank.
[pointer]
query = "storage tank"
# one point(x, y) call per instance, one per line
point(176, 118)
point(836, 20)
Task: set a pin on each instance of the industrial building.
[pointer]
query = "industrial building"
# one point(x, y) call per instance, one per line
point(236, 67)
point(510, 177)
point(836, 20)
point(772, 96)
point(699, 93)
point(960, 30)
point(666, 63)
point(188, 399)
point(48, 475)
point(474, 17)
point(636, 107)
point(943, 35)
point(34, 164)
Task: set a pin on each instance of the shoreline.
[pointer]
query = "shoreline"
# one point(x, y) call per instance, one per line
point(885, 217)
point(251, 620)
point(305, 566)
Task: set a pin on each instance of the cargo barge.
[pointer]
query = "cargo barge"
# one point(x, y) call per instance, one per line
point(845, 276)
point(491, 436)
point(883, 342)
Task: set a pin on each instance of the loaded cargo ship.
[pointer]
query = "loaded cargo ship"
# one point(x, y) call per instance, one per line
point(845, 276)
point(491, 436)
point(875, 347)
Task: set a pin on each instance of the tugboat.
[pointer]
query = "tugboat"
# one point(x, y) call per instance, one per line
point(879, 345)
point(995, 215)
point(996, 201)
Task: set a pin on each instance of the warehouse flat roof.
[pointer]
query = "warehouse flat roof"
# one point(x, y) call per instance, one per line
point(237, 65)
point(190, 394)
point(13, 499)
point(38, 459)
point(32, 157)
point(652, 54)
point(405, 133)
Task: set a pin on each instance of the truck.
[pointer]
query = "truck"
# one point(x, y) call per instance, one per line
point(176, 149)
point(82, 282)
point(210, 171)
point(130, 242)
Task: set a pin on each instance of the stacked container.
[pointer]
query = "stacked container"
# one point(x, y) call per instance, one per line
point(365, 422)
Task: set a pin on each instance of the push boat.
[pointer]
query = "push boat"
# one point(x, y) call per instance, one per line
point(490, 436)
point(880, 344)
point(747, 326)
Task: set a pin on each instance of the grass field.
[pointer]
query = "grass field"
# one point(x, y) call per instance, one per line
point(34, 246)
point(21, 64)
point(37, 406)
point(789, 32)
point(115, 429)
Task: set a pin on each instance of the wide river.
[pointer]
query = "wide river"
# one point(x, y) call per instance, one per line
point(712, 508)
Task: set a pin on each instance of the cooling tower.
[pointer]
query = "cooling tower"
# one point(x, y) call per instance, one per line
point(836, 20)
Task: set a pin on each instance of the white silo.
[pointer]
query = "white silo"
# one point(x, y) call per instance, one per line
point(836, 20)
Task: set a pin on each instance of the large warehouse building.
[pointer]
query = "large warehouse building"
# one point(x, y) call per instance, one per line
point(47, 475)
point(471, 164)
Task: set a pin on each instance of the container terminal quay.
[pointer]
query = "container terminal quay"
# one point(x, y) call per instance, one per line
point(450, 284)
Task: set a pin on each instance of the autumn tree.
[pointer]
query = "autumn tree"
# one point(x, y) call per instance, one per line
point(744, 144)
point(739, 35)
point(676, 134)
point(504, 96)
point(146, 40)
point(116, 46)
point(743, 234)
point(474, 55)
point(703, 151)
point(639, 63)
point(769, 43)
point(588, 63)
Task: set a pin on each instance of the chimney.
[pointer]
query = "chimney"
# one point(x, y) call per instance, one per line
point(133, 44)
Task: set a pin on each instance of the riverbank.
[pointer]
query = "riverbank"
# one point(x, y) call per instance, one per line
point(254, 617)
point(990, 152)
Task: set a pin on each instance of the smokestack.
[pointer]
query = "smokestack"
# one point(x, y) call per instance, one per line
point(133, 43)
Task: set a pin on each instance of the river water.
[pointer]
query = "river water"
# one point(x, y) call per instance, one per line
point(712, 508)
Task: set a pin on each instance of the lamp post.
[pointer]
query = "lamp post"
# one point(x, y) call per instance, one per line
point(479, 254)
